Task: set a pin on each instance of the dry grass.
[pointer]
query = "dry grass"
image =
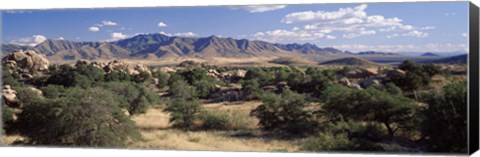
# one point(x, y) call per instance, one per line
point(158, 133)
point(8, 140)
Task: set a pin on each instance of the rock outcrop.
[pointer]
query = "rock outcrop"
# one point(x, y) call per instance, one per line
point(9, 96)
point(26, 61)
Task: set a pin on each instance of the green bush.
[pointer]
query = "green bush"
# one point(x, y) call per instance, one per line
point(251, 89)
point(53, 91)
point(329, 142)
point(183, 112)
point(445, 120)
point(214, 121)
point(286, 112)
point(373, 105)
point(117, 76)
point(162, 79)
point(84, 117)
point(138, 98)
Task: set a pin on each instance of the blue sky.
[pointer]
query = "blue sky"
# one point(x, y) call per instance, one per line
point(392, 27)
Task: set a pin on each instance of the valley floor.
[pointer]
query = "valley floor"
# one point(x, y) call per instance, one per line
point(158, 134)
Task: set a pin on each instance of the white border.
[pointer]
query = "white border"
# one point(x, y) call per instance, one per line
point(77, 152)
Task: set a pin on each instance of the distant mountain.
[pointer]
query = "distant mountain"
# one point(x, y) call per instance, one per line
point(155, 46)
point(460, 59)
point(7, 48)
point(349, 61)
point(160, 46)
point(430, 54)
point(376, 53)
point(445, 54)
point(67, 50)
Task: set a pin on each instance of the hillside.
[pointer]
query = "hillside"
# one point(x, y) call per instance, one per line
point(353, 61)
point(160, 47)
point(460, 59)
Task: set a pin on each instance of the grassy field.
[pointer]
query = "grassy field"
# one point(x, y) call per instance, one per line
point(158, 133)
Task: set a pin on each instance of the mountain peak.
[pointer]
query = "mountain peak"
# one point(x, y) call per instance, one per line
point(430, 54)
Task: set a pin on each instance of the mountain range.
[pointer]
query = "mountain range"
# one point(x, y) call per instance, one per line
point(154, 46)
point(160, 46)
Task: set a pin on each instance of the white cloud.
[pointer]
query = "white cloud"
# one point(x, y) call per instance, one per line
point(17, 11)
point(117, 36)
point(94, 29)
point(186, 34)
point(165, 33)
point(180, 34)
point(392, 36)
point(427, 28)
point(280, 35)
point(162, 24)
point(351, 22)
point(61, 38)
point(258, 8)
point(331, 37)
point(464, 34)
point(109, 23)
point(432, 47)
point(29, 41)
point(361, 33)
point(416, 34)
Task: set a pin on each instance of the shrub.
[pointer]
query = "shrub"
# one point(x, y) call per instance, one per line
point(251, 89)
point(329, 142)
point(137, 97)
point(162, 79)
point(214, 121)
point(25, 95)
point(286, 112)
point(117, 76)
point(183, 112)
point(180, 89)
point(53, 91)
point(346, 104)
point(446, 119)
point(344, 136)
point(84, 117)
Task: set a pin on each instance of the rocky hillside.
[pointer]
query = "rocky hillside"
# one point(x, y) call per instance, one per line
point(155, 46)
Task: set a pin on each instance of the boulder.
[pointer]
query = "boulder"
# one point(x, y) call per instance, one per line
point(371, 81)
point(28, 61)
point(9, 96)
point(345, 81)
point(167, 70)
point(356, 86)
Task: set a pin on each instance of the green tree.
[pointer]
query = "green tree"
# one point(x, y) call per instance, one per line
point(117, 76)
point(393, 111)
point(251, 89)
point(445, 122)
point(138, 98)
point(162, 79)
point(84, 117)
point(184, 106)
point(286, 112)
point(263, 76)
point(53, 91)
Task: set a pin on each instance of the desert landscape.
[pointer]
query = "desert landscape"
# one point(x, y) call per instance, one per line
point(273, 91)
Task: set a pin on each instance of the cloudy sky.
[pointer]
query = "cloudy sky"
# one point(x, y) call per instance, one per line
point(390, 27)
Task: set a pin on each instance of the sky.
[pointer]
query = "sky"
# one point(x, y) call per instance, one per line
point(387, 27)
